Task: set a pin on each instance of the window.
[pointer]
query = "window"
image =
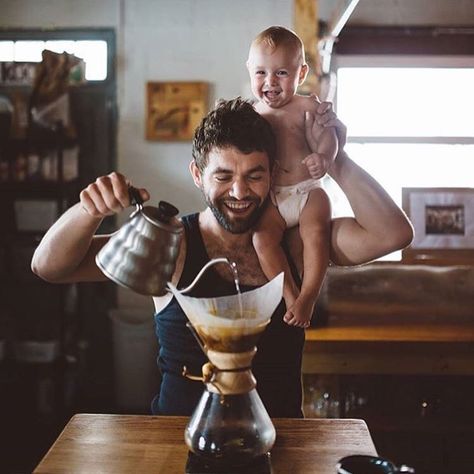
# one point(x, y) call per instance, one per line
point(409, 120)
point(93, 52)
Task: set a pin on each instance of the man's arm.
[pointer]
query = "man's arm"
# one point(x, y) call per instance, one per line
point(379, 226)
point(67, 251)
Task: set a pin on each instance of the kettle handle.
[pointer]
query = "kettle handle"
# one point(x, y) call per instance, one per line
point(135, 198)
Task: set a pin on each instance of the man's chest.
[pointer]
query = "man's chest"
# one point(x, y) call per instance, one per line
point(244, 256)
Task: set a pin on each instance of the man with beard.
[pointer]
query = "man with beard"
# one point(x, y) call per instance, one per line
point(233, 154)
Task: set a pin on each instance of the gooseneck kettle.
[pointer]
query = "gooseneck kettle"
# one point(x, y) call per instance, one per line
point(142, 254)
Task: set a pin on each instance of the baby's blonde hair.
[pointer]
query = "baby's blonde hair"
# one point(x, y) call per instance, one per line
point(276, 36)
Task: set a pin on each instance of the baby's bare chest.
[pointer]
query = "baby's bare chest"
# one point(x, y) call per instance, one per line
point(286, 123)
point(290, 133)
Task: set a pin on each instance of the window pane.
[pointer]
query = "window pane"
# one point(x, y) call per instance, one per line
point(396, 165)
point(406, 102)
point(94, 54)
point(415, 165)
point(28, 51)
point(7, 51)
point(60, 46)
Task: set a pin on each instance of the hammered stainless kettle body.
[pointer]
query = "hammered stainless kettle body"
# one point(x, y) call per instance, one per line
point(142, 254)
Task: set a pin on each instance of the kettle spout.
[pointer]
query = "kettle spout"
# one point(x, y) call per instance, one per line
point(203, 269)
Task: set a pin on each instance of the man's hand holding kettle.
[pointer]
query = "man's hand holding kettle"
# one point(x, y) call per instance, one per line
point(108, 195)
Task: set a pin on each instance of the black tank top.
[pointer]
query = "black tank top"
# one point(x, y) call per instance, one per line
point(277, 364)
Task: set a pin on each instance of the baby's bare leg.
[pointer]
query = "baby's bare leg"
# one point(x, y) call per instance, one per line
point(315, 234)
point(266, 241)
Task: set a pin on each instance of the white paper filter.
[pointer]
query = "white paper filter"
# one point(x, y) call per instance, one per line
point(257, 305)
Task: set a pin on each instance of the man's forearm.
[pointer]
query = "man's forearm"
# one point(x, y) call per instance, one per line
point(66, 252)
point(379, 227)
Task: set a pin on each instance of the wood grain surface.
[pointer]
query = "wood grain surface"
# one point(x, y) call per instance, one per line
point(393, 332)
point(428, 349)
point(151, 444)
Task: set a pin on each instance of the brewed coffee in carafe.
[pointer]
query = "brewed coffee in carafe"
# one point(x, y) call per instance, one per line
point(230, 425)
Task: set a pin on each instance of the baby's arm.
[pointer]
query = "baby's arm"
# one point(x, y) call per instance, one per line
point(325, 149)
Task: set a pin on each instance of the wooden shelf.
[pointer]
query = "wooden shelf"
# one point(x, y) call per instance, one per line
point(45, 139)
point(455, 333)
point(436, 349)
point(45, 188)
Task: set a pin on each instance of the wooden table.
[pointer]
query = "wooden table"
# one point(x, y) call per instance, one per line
point(152, 444)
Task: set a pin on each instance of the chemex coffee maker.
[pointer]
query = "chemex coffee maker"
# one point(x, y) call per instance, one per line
point(230, 427)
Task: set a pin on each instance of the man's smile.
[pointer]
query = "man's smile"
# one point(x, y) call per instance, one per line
point(238, 206)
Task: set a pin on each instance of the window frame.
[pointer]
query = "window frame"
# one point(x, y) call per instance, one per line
point(74, 34)
point(404, 47)
point(405, 61)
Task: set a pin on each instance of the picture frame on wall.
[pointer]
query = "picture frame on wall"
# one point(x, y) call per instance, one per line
point(443, 220)
point(175, 109)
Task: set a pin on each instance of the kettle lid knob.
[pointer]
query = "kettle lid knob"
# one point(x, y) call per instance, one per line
point(166, 211)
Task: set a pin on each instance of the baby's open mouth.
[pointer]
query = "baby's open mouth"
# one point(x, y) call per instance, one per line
point(271, 94)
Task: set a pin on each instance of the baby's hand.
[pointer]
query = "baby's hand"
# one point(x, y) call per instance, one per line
point(317, 165)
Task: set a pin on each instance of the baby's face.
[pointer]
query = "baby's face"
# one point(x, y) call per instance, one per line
point(275, 74)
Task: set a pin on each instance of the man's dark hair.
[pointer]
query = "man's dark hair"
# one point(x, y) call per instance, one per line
point(233, 123)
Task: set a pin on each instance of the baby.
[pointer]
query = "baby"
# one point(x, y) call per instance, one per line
point(277, 66)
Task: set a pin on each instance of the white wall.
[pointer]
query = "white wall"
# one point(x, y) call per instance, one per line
point(58, 13)
point(203, 40)
point(157, 40)
point(196, 40)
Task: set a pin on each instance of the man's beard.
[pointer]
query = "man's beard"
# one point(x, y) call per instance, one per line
point(236, 226)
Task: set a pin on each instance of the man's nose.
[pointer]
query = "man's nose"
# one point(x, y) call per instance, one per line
point(239, 189)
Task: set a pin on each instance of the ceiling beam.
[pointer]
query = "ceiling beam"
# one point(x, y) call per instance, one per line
point(318, 47)
point(306, 26)
point(339, 18)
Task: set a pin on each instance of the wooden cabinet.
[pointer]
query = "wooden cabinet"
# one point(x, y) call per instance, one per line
point(38, 320)
point(55, 340)
point(412, 384)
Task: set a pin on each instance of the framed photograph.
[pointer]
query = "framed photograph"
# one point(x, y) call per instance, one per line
point(443, 220)
point(175, 109)
point(17, 73)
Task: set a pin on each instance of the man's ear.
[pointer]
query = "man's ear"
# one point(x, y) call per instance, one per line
point(196, 174)
point(303, 73)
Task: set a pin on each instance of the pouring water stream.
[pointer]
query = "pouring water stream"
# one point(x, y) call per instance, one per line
point(233, 268)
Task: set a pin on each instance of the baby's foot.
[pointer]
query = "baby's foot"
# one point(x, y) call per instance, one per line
point(300, 313)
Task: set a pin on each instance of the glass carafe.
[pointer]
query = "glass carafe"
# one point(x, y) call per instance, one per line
point(230, 429)
point(230, 425)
